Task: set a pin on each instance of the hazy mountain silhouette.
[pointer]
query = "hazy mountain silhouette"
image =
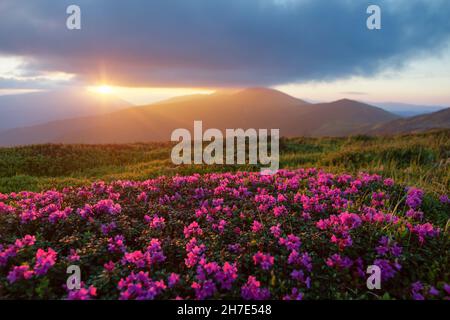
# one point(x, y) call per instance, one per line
point(249, 108)
point(41, 107)
point(435, 120)
point(408, 110)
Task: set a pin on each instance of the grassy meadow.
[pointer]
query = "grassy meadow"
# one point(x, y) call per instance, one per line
point(421, 160)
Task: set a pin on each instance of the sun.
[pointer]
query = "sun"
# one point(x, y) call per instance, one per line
point(103, 89)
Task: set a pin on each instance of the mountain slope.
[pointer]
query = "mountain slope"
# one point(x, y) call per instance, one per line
point(435, 120)
point(41, 107)
point(408, 110)
point(339, 118)
point(251, 108)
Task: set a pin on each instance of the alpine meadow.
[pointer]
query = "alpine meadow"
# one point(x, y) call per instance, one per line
point(222, 152)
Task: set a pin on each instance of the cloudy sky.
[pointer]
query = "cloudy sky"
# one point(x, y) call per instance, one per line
point(313, 49)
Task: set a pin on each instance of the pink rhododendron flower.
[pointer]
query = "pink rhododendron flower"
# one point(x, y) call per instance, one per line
point(109, 266)
point(291, 242)
point(44, 260)
point(82, 293)
point(140, 286)
point(20, 272)
point(264, 260)
point(73, 256)
point(276, 231)
point(256, 226)
point(193, 230)
point(173, 279)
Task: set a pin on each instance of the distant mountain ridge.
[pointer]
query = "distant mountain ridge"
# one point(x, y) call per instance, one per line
point(421, 123)
point(248, 108)
point(408, 110)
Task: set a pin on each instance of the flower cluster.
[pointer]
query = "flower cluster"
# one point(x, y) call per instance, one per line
point(264, 260)
point(140, 287)
point(252, 290)
point(301, 234)
point(82, 293)
point(44, 260)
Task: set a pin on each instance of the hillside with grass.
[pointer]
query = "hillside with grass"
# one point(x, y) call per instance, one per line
point(143, 228)
point(420, 159)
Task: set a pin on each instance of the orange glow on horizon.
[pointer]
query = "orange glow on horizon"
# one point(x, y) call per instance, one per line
point(145, 95)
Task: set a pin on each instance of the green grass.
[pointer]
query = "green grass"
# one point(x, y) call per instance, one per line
point(422, 160)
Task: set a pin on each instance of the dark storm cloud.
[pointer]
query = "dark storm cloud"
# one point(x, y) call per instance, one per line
point(221, 42)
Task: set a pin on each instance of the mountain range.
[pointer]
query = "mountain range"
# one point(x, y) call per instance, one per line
point(248, 108)
point(420, 123)
point(407, 109)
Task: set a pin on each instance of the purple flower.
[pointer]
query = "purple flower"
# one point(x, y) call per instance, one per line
point(154, 253)
point(116, 244)
point(227, 275)
point(425, 230)
point(303, 260)
point(433, 291)
point(264, 260)
point(416, 289)
point(173, 279)
point(140, 287)
point(82, 293)
point(295, 295)
point(291, 242)
point(447, 289)
point(107, 207)
point(234, 248)
point(444, 199)
point(7, 253)
point(107, 228)
point(339, 262)
point(204, 290)
point(252, 290)
point(418, 296)
point(299, 275)
point(20, 272)
point(414, 198)
point(416, 215)
point(388, 246)
point(58, 215)
point(388, 269)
